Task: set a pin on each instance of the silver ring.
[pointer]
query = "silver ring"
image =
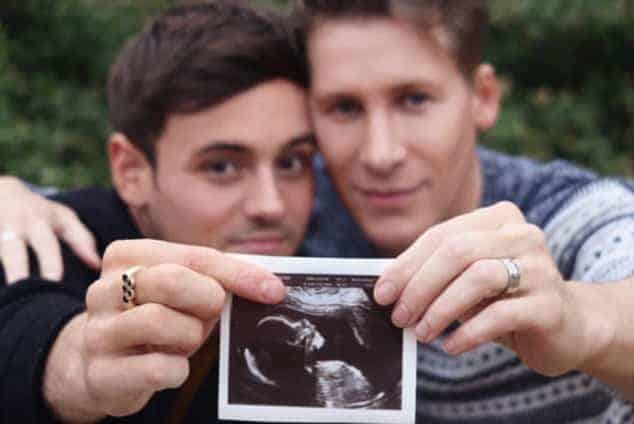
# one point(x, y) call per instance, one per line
point(129, 286)
point(514, 276)
point(8, 235)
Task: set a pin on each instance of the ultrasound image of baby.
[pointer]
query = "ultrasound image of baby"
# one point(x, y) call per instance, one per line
point(330, 346)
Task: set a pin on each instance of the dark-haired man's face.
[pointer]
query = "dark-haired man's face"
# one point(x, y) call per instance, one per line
point(236, 177)
point(397, 124)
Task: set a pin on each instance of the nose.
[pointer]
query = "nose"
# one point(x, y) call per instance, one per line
point(382, 152)
point(264, 202)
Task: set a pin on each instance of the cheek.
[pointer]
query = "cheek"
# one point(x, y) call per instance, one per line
point(443, 137)
point(221, 206)
point(202, 204)
point(298, 198)
point(338, 142)
point(340, 149)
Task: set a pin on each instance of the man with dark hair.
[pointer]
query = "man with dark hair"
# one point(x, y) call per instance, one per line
point(212, 148)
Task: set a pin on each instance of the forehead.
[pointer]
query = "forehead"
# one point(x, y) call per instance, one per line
point(358, 53)
point(263, 118)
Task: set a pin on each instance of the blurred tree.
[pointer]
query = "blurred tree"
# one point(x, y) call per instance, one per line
point(569, 75)
point(567, 68)
point(56, 56)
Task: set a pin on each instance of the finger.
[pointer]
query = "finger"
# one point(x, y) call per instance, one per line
point(451, 258)
point(474, 311)
point(123, 385)
point(483, 280)
point(47, 249)
point(99, 296)
point(77, 236)
point(151, 324)
point(14, 259)
point(393, 280)
point(182, 289)
point(238, 277)
point(497, 321)
point(171, 285)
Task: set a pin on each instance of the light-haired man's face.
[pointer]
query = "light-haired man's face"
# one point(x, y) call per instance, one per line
point(397, 122)
point(236, 177)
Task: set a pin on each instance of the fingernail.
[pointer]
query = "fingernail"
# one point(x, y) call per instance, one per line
point(385, 293)
point(451, 347)
point(423, 332)
point(52, 275)
point(401, 315)
point(273, 291)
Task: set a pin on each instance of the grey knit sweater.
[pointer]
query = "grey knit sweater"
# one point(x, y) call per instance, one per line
point(589, 224)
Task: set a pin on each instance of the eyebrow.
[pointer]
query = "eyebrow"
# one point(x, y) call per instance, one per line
point(239, 147)
point(414, 83)
point(308, 138)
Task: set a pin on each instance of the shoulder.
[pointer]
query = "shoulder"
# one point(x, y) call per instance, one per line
point(588, 220)
point(105, 216)
point(87, 202)
point(102, 211)
point(591, 235)
point(537, 188)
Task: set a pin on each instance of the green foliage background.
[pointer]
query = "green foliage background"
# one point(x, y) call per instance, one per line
point(567, 68)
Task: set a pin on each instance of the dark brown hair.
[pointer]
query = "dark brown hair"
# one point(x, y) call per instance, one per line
point(193, 57)
point(464, 22)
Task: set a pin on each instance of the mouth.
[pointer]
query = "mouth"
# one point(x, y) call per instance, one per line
point(259, 244)
point(391, 197)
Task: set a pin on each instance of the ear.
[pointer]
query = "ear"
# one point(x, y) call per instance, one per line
point(487, 97)
point(132, 173)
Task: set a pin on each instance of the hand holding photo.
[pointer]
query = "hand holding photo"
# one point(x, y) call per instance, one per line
point(327, 353)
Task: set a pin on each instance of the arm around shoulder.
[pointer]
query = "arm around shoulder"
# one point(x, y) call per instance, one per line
point(29, 220)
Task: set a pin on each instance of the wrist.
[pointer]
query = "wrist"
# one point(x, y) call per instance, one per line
point(611, 326)
point(598, 323)
point(64, 386)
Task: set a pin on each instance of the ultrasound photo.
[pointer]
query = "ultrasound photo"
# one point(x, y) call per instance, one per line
point(328, 347)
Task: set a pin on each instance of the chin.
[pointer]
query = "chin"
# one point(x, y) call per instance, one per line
point(391, 247)
point(261, 250)
point(395, 235)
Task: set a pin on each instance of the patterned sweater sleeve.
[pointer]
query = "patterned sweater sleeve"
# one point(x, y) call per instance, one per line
point(588, 221)
point(589, 227)
point(592, 235)
point(592, 239)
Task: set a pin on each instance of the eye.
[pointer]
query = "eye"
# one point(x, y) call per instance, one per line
point(294, 164)
point(414, 100)
point(222, 169)
point(346, 108)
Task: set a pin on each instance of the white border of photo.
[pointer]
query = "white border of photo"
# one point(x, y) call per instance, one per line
point(324, 266)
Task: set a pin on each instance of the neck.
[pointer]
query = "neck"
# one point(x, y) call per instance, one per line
point(472, 198)
point(143, 222)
